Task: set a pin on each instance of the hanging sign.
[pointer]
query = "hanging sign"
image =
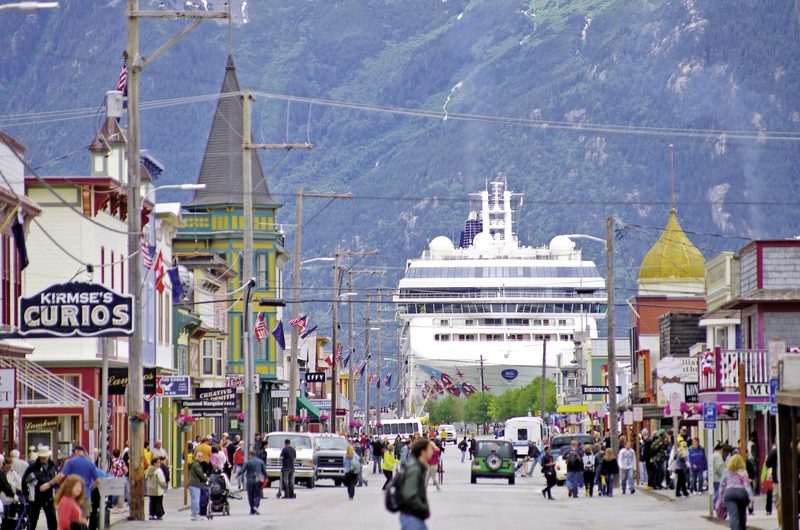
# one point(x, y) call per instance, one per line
point(211, 398)
point(76, 309)
point(8, 388)
point(118, 380)
point(174, 386)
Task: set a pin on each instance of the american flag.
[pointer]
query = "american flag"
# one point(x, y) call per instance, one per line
point(300, 321)
point(260, 329)
point(122, 82)
point(147, 259)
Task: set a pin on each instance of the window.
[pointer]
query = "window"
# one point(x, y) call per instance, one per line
point(518, 322)
point(518, 336)
point(444, 322)
point(261, 272)
point(103, 265)
point(493, 337)
point(563, 337)
point(111, 262)
point(538, 337)
point(442, 337)
point(562, 322)
point(208, 357)
point(467, 337)
point(469, 322)
point(218, 357)
point(537, 322)
point(493, 321)
point(522, 435)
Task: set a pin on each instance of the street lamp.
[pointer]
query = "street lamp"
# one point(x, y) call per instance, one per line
point(184, 187)
point(30, 6)
point(312, 260)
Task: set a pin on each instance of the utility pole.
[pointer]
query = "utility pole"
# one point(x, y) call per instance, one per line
point(296, 266)
point(247, 273)
point(379, 371)
point(483, 384)
point(544, 380)
point(334, 336)
point(367, 353)
point(612, 357)
point(136, 63)
point(351, 386)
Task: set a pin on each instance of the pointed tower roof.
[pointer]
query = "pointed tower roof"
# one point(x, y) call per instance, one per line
point(221, 170)
point(673, 257)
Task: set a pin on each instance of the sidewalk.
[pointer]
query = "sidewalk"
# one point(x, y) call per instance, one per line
point(699, 504)
point(173, 502)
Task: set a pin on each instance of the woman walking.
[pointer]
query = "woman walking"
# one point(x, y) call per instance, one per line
point(609, 470)
point(681, 467)
point(352, 469)
point(735, 493)
point(156, 488)
point(68, 503)
point(588, 470)
point(387, 464)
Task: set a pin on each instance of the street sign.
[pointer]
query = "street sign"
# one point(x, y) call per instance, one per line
point(8, 388)
point(112, 486)
point(710, 415)
point(75, 309)
point(638, 414)
point(315, 377)
point(773, 396)
point(282, 393)
point(174, 386)
point(598, 389)
point(627, 417)
point(323, 404)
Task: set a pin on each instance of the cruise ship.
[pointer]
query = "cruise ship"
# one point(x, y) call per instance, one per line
point(480, 314)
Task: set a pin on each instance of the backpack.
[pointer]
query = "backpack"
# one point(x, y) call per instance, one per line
point(536, 452)
point(393, 495)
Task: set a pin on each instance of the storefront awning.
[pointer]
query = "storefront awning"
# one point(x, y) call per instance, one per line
point(573, 409)
point(304, 403)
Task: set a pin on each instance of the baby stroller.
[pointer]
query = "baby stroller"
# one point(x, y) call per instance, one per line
point(218, 494)
point(16, 515)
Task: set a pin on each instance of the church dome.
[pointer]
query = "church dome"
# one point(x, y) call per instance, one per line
point(673, 256)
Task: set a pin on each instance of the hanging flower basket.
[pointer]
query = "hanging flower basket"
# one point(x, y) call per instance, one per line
point(292, 418)
point(323, 418)
point(240, 416)
point(378, 425)
point(139, 417)
point(355, 424)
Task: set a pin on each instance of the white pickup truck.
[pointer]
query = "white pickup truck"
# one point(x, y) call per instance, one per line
point(304, 469)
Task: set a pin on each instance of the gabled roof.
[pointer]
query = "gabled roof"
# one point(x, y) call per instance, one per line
point(221, 170)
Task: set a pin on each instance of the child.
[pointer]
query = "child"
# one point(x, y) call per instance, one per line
point(609, 469)
point(588, 470)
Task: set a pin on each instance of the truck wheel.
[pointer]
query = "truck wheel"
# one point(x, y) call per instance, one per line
point(310, 483)
point(511, 480)
point(473, 479)
point(337, 482)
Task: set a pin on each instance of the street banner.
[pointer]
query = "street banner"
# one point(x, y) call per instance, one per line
point(8, 388)
point(75, 309)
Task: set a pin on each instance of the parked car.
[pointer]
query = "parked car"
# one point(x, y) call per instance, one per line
point(329, 457)
point(493, 459)
point(304, 468)
point(450, 432)
point(559, 445)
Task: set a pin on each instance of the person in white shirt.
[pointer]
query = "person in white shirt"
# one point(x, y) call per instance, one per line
point(158, 450)
point(627, 463)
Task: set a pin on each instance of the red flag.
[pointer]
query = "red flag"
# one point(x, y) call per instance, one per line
point(160, 272)
point(261, 327)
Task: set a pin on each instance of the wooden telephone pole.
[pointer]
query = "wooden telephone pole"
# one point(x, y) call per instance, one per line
point(135, 361)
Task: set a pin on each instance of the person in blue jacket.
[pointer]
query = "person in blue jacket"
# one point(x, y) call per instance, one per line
point(698, 465)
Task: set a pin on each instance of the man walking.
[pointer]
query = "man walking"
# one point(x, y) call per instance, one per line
point(288, 457)
point(414, 507)
point(574, 469)
point(254, 471)
point(377, 454)
point(38, 482)
point(627, 461)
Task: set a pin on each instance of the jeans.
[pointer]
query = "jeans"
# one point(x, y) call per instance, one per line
point(432, 474)
point(737, 515)
point(194, 494)
point(376, 463)
point(643, 477)
point(695, 480)
point(574, 480)
point(411, 522)
point(254, 495)
point(626, 477)
point(609, 491)
point(532, 463)
point(388, 473)
point(463, 456)
point(716, 492)
point(287, 482)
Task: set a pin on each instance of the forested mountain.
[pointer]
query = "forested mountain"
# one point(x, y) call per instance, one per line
point(688, 64)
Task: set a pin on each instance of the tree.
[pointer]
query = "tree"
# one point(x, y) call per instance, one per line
point(448, 409)
point(476, 409)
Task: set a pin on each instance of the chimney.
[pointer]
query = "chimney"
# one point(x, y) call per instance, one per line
point(114, 104)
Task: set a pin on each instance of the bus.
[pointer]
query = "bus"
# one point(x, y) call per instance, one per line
point(403, 427)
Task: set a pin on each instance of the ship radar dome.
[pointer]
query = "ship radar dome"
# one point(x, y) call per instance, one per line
point(441, 244)
point(482, 241)
point(561, 246)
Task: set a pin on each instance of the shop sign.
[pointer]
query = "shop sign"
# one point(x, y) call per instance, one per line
point(118, 381)
point(8, 388)
point(315, 377)
point(509, 374)
point(76, 309)
point(211, 398)
point(208, 413)
point(174, 386)
point(40, 424)
point(691, 392)
point(598, 389)
point(689, 365)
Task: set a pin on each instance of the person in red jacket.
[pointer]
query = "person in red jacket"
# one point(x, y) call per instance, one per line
point(68, 502)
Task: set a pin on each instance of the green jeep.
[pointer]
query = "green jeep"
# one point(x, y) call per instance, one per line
point(493, 459)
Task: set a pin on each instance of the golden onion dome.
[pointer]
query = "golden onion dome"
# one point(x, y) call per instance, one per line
point(673, 256)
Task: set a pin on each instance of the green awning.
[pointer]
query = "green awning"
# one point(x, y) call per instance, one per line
point(304, 403)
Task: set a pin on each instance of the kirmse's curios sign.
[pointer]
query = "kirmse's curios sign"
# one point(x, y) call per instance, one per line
point(76, 309)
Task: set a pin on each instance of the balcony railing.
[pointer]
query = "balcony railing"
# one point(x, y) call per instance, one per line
point(718, 370)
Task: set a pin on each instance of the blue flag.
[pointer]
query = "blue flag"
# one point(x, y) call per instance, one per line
point(177, 286)
point(363, 367)
point(346, 360)
point(278, 334)
point(308, 331)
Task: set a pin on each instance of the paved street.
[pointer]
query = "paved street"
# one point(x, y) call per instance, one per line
point(489, 504)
